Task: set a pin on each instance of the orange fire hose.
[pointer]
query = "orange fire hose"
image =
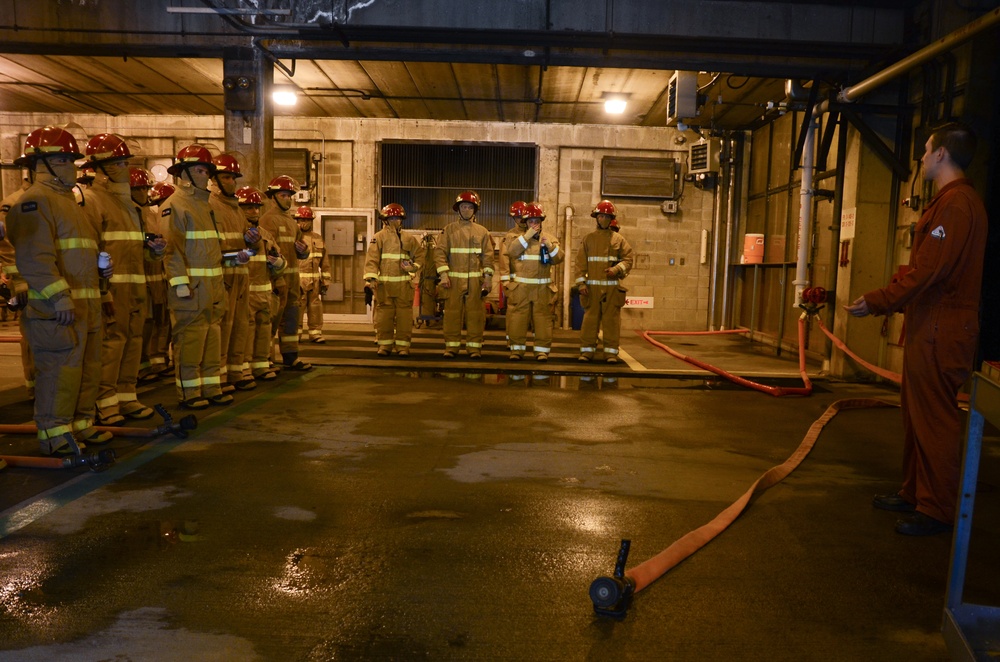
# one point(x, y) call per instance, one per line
point(611, 596)
point(30, 428)
point(649, 571)
point(742, 381)
point(881, 372)
point(98, 461)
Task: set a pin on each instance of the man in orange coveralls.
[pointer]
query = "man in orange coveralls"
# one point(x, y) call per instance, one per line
point(939, 292)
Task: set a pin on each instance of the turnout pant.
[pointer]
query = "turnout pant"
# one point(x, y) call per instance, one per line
point(394, 318)
point(258, 338)
point(67, 371)
point(155, 339)
point(121, 351)
point(233, 327)
point(463, 303)
point(602, 311)
point(529, 302)
point(196, 338)
point(286, 323)
point(311, 307)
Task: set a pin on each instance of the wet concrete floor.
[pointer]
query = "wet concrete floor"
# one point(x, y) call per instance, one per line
point(356, 513)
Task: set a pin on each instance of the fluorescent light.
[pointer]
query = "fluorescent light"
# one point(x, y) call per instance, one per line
point(615, 105)
point(284, 96)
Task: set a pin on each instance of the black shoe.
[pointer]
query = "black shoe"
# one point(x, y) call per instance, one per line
point(919, 524)
point(893, 502)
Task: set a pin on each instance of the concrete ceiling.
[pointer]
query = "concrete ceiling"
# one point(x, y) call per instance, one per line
point(375, 89)
point(55, 58)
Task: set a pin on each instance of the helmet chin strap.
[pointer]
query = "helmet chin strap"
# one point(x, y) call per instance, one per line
point(57, 177)
point(187, 171)
point(222, 189)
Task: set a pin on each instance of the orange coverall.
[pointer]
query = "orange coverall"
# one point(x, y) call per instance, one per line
point(939, 295)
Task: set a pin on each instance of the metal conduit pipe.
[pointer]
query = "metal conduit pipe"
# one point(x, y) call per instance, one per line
point(943, 44)
point(801, 281)
point(718, 201)
point(730, 224)
point(567, 268)
point(847, 95)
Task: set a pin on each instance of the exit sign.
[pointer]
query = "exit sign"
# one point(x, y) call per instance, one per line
point(638, 302)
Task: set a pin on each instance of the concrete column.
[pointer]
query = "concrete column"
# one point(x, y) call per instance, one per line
point(249, 119)
point(867, 185)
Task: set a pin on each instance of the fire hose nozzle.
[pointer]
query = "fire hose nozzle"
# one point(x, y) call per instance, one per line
point(613, 595)
point(179, 429)
point(96, 462)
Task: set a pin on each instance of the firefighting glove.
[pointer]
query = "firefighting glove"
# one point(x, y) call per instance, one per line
point(301, 250)
point(530, 233)
point(445, 280)
point(158, 245)
point(109, 270)
point(488, 283)
point(65, 317)
point(183, 291)
point(583, 290)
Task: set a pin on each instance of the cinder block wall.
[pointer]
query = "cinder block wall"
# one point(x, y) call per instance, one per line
point(569, 176)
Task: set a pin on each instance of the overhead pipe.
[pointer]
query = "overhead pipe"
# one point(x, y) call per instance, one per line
point(943, 44)
point(853, 93)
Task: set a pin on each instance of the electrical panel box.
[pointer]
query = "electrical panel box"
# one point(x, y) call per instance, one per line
point(339, 236)
point(682, 97)
point(703, 156)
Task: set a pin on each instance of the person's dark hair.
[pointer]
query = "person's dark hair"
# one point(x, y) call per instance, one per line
point(958, 140)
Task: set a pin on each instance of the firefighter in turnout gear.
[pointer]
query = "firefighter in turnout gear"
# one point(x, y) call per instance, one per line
point(156, 331)
point(235, 272)
point(463, 258)
point(18, 289)
point(266, 265)
point(56, 253)
point(279, 223)
point(530, 288)
point(196, 294)
point(516, 213)
point(122, 232)
point(604, 260)
point(314, 275)
point(391, 270)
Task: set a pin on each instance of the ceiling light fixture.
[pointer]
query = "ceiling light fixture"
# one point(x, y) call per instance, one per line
point(615, 102)
point(284, 95)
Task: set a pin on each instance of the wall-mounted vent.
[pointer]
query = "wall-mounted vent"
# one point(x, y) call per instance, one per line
point(682, 97)
point(703, 156)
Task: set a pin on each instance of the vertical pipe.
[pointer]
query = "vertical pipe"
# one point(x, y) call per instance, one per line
point(567, 268)
point(718, 199)
point(730, 229)
point(805, 209)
